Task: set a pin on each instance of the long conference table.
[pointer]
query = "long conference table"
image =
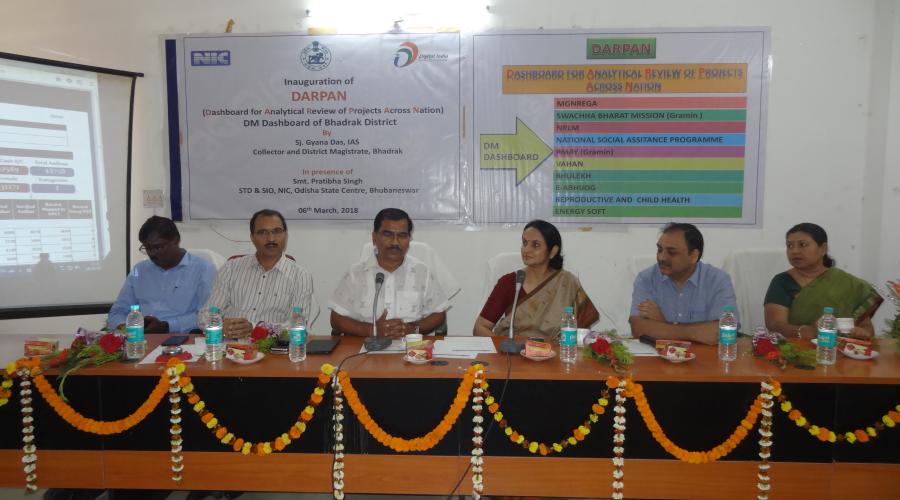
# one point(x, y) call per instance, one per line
point(697, 403)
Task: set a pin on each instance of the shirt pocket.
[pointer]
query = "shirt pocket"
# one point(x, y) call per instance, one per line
point(409, 305)
point(696, 315)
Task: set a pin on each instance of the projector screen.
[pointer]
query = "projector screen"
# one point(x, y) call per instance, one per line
point(64, 186)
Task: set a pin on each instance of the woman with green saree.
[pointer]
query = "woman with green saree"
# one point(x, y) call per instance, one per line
point(795, 298)
point(546, 292)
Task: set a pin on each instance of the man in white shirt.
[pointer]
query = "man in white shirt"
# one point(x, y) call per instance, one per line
point(263, 286)
point(410, 300)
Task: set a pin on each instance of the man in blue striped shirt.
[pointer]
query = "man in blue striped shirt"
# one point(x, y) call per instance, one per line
point(680, 298)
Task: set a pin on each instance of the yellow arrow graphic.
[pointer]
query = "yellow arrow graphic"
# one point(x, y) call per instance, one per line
point(523, 151)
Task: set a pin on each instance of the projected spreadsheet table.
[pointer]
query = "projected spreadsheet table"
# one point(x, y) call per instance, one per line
point(66, 233)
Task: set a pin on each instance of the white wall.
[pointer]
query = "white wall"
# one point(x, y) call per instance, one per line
point(832, 141)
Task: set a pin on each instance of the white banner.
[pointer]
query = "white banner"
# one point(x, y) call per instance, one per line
point(320, 127)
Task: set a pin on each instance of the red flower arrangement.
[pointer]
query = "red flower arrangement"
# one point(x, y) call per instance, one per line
point(783, 353)
point(610, 350)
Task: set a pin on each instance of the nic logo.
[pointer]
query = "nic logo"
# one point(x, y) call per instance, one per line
point(406, 54)
point(210, 58)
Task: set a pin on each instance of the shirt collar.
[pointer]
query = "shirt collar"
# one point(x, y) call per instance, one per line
point(372, 264)
point(693, 280)
point(281, 265)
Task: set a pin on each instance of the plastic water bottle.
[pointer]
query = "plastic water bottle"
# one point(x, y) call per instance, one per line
point(728, 335)
point(826, 342)
point(215, 345)
point(568, 336)
point(135, 346)
point(297, 329)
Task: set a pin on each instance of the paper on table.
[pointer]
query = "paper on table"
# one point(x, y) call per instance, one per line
point(638, 348)
point(196, 352)
point(396, 347)
point(460, 345)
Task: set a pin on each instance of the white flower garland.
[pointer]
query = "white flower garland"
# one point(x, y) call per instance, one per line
point(175, 439)
point(618, 482)
point(477, 459)
point(29, 448)
point(763, 484)
point(337, 471)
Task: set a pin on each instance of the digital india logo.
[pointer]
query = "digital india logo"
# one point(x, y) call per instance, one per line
point(315, 57)
point(406, 54)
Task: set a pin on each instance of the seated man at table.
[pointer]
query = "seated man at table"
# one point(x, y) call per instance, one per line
point(410, 300)
point(170, 286)
point(263, 286)
point(680, 298)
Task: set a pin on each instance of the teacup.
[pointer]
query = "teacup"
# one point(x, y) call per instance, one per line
point(845, 325)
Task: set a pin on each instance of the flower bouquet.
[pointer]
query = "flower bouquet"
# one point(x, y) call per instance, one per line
point(782, 353)
point(607, 348)
point(265, 335)
point(88, 349)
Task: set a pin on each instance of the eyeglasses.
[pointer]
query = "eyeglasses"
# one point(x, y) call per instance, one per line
point(265, 233)
point(148, 249)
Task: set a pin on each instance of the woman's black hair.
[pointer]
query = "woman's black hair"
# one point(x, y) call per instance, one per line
point(551, 238)
point(818, 235)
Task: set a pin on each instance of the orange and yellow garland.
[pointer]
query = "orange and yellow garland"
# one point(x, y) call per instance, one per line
point(90, 425)
point(544, 449)
point(822, 433)
point(636, 391)
point(265, 447)
point(421, 443)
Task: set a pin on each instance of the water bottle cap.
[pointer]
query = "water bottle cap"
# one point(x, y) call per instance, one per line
point(828, 310)
point(298, 309)
point(729, 309)
point(214, 310)
point(570, 310)
point(135, 307)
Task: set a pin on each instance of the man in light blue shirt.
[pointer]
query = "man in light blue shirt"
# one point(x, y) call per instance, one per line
point(680, 298)
point(170, 286)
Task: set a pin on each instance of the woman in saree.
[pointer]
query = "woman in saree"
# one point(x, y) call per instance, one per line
point(544, 295)
point(796, 297)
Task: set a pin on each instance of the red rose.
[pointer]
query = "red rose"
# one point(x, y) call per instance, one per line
point(764, 347)
point(259, 332)
point(78, 342)
point(600, 346)
point(111, 343)
point(60, 358)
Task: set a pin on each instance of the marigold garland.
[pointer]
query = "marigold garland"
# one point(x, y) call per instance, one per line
point(402, 445)
point(173, 368)
point(693, 457)
point(242, 446)
point(618, 482)
point(763, 481)
point(477, 459)
point(822, 433)
point(6, 387)
point(538, 447)
point(29, 448)
point(337, 469)
point(90, 425)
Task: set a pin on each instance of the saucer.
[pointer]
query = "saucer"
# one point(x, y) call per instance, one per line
point(853, 355)
point(673, 359)
point(414, 360)
point(242, 361)
point(538, 358)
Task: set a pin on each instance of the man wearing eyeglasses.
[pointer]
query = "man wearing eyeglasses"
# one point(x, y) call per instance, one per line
point(410, 301)
point(170, 286)
point(263, 286)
